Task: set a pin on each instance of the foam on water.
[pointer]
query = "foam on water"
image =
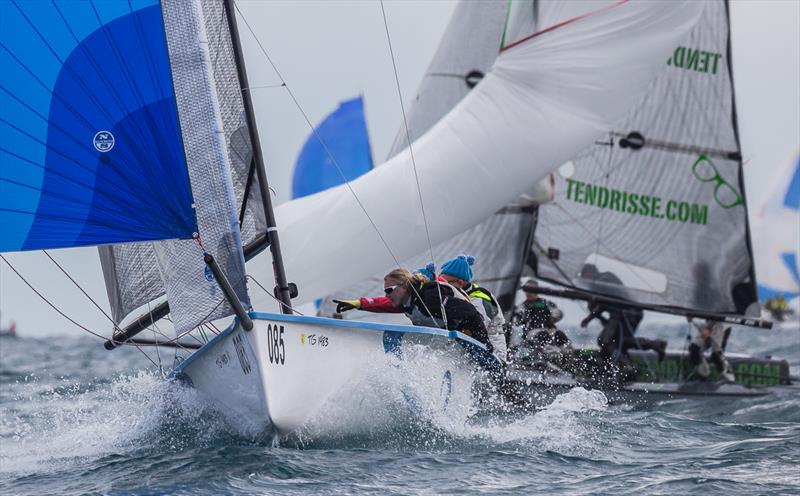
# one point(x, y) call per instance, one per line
point(72, 421)
point(404, 404)
point(59, 426)
point(407, 404)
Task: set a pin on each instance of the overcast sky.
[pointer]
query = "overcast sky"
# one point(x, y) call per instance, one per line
point(332, 50)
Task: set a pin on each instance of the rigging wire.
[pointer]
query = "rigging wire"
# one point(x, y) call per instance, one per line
point(314, 130)
point(248, 276)
point(411, 153)
point(40, 295)
point(327, 152)
point(116, 326)
point(60, 312)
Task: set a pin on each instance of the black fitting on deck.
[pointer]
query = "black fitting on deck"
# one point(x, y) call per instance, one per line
point(227, 290)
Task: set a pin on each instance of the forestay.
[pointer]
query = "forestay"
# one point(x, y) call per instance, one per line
point(223, 179)
point(659, 201)
point(543, 101)
point(89, 135)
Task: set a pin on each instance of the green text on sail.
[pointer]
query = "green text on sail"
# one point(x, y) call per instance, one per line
point(694, 59)
point(636, 204)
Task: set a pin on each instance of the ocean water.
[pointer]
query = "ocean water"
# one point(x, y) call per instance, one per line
point(76, 419)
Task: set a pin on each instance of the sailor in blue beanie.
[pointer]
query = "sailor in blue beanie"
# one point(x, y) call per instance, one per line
point(458, 272)
point(459, 267)
point(428, 271)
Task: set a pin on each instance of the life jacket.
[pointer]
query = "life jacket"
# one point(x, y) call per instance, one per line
point(493, 308)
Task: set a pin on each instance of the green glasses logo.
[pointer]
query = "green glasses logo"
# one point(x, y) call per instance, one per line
point(725, 195)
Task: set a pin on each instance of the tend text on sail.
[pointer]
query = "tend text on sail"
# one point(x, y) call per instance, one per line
point(694, 59)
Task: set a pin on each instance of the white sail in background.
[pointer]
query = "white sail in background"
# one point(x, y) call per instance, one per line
point(544, 100)
point(659, 201)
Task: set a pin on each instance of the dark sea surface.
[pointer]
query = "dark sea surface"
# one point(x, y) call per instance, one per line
point(76, 419)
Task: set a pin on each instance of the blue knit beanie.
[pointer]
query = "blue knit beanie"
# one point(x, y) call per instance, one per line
point(428, 271)
point(459, 267)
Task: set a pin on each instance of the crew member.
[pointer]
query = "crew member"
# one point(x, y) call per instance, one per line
point(710, 335)
point(458, 272)
point(534, 322)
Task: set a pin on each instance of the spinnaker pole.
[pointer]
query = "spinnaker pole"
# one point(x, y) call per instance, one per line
point(282, 289)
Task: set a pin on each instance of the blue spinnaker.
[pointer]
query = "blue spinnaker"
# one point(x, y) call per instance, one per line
point(344, 133)
point(779, 238)
point(90, 142)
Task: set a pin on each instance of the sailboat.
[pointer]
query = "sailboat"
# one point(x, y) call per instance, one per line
point(129, 127)
point(342, 136)
point(659, 202)
point(10, 331)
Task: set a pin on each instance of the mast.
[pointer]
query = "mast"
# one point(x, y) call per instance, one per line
point(282, 290)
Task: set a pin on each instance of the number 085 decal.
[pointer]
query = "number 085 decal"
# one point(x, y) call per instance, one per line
point(275, 346)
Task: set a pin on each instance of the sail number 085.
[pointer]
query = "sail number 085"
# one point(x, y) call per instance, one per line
point(275, 346)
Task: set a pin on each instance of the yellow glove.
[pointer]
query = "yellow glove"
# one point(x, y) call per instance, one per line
point(345, 305)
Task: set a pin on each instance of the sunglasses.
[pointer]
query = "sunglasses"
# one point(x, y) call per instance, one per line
point(389, 290)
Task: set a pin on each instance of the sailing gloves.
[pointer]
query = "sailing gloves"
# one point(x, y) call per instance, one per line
point(345, 305)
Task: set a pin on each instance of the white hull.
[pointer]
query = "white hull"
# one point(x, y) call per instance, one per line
point(290, 370)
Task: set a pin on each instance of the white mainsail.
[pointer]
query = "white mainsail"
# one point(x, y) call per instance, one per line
point(544, 100)
point(659, 201)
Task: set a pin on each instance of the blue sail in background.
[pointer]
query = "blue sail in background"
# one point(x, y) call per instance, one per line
point(90, 143)
point(344, 133)
point(778, 238)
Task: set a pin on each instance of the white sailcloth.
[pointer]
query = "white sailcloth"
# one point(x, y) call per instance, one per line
point(469, 47)
point(685, 186)
point(544, 100)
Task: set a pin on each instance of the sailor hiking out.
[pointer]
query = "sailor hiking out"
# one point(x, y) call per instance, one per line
point(434, 304)
point(458, 272)
point(382, 304)
point(619, 326)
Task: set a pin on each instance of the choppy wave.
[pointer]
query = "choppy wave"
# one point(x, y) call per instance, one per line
point(76, 419)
